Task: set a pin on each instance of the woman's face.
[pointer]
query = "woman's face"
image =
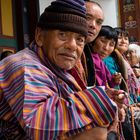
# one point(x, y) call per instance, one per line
point(103, 46)
point(132, 57)
point(123, 42)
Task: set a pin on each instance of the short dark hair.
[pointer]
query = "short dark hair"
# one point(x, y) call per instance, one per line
point(108, 32)
point(122, 31)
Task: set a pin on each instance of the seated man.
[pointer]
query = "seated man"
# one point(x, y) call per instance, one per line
point(39, 99)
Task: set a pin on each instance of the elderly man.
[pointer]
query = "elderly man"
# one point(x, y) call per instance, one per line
point(39, 99)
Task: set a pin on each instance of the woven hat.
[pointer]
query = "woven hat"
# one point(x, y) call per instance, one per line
point(67, 15)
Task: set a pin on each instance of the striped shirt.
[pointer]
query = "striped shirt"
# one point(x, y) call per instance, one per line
point(47, 102)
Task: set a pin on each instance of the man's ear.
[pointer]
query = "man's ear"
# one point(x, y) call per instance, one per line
point(39, 36)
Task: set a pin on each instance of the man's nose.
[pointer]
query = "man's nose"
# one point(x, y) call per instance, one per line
point(92, 24)
point(128, 54)
point(72, 45)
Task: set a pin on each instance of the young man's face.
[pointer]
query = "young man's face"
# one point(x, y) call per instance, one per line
point(62, 48)
point(95, 19)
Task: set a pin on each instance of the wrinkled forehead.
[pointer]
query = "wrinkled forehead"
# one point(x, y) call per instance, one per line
point(94, 10)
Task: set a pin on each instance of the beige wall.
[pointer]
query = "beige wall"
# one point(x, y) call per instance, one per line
point(109, 8)
point(43, 4)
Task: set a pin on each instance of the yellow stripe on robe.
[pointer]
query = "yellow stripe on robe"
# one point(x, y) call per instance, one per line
point(80, 105)
point(37, 123)
point(91, 108)
point(65, 115)
point(13, 76)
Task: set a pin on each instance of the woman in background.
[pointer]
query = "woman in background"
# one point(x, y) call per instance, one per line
point(101, 47)
point(117, 62)
point(122, 47)
point(133, 57)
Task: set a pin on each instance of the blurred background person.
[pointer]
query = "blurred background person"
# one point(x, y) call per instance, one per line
point(133, 57)
point(101, 47)
point(5, 54)
point(132, 82)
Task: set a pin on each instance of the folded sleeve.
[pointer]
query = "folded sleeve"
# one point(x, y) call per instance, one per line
point(57, 111)
point(50, 109)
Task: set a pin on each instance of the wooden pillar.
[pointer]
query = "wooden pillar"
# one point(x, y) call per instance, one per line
point(19, 24)
point(27, 12)
point(33, 6)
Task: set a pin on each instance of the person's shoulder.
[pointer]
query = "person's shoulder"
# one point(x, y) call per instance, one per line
point(108, 59)
point(19, 59)
point(24, 55)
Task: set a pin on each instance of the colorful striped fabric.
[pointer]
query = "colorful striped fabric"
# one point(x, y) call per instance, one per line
point(46, 101)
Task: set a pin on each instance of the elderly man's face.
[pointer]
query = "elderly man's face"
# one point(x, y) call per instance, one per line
point(95, 19)
point(62, 48)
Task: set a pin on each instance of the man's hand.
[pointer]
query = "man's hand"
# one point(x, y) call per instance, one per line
point(121, 114)
point(117, 96)
point(117, 78)
point(137, 71)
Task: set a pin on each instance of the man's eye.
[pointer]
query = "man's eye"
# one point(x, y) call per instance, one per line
point(62, 35)
point(81, 40)
point(99, 22)
point(89, 18)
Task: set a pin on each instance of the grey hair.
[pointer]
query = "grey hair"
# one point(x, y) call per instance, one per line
point(136, 48)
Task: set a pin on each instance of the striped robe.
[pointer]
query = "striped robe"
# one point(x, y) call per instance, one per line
point(43, 102)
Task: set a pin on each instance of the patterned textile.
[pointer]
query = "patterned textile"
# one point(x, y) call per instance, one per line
point(10, 128)
point(111, 64)
point(137, 66)
point(102, 74)
point(89, 69)
point(116, 63)
point(45, 101)
point(133, 84)
point(79, 74)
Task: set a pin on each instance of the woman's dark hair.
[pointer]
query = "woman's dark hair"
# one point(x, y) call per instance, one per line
point(5, 54)
point(121, 31)
point(108, 32)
